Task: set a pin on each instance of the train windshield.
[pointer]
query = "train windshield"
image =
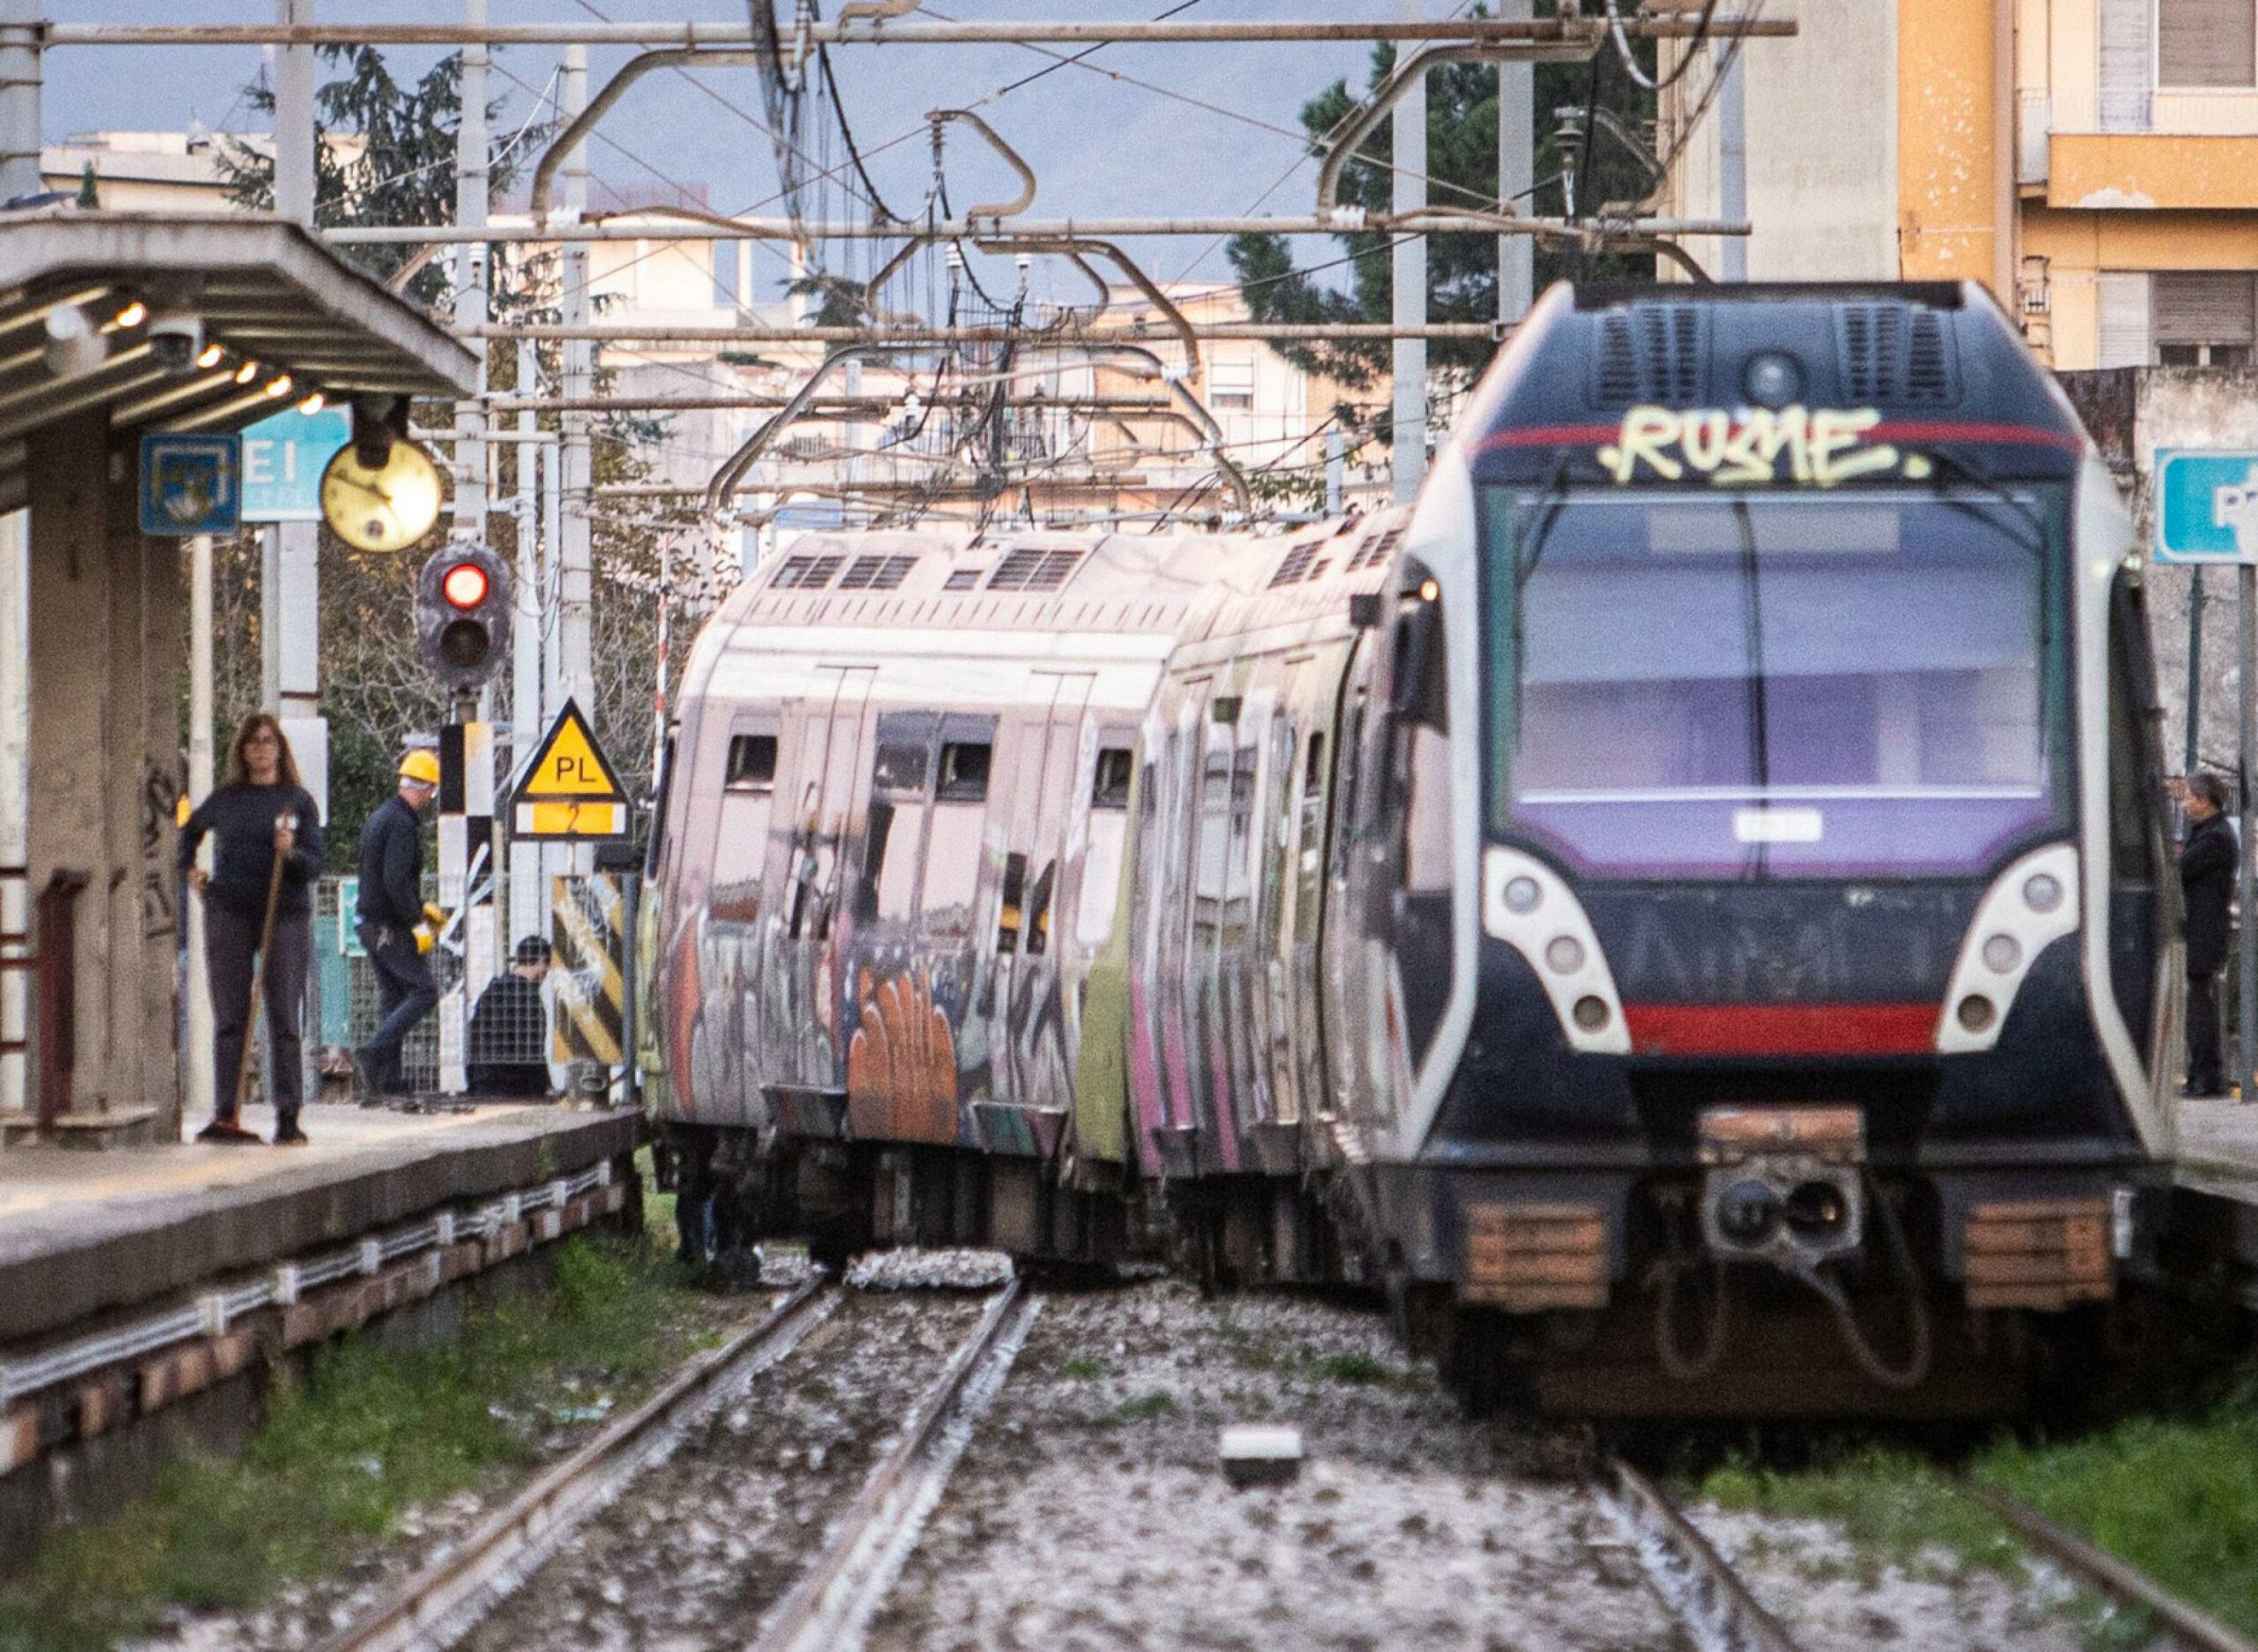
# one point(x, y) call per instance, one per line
point(1773, 685)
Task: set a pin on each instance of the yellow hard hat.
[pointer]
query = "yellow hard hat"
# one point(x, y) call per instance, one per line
point(421, 767)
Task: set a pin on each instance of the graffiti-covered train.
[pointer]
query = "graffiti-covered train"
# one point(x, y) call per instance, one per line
point(1684, 909)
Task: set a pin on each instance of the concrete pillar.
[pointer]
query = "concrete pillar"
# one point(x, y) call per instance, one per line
point(19, 98)
point(104, 616)
point(15, 731)
point(1517, 171)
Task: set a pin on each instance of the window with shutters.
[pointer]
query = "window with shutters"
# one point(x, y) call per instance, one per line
point(2204, 318)
point(2206, 43)
point(2124, 318)
point(1231, 385)
point(2127, 32)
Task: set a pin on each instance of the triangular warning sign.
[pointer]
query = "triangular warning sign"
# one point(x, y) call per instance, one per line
point(570, 764)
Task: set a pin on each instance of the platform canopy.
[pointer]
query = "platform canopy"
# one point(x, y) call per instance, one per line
point(272, 301)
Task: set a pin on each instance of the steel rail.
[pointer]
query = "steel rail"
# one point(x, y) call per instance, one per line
point(621, 227)
point(2126, 1584)
point(1746, 1617)
point(802, 1608)
point(1543, 31)
point(557, 1498)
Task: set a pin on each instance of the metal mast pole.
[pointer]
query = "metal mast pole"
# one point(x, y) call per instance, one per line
point(526, 725)
point(576, 565)
point(196, 1069)
point(1732, 158)
point(291, 586)
point(2196, 602)
point(467, 794)
point(1409, 283)
point(2246, 1008)
point(1516, 172)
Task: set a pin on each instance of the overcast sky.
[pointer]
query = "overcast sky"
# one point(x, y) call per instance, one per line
point(1100, 147)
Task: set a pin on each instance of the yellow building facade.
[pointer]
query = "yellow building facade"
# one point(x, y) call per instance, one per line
point(2094, 161)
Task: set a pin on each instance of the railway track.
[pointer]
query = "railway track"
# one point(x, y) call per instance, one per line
point(439, 1604)
point(2127, 1585)
point(1697, 1584)
point(514, 1565)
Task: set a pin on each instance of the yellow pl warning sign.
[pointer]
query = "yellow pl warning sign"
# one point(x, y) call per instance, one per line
point(570, 789)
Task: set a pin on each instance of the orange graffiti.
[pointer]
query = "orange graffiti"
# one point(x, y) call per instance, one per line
point(901, 1065)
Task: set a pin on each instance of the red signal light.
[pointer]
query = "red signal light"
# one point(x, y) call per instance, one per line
point(464, 586)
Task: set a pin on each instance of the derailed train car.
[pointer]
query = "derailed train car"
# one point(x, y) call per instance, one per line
point(1686, 911)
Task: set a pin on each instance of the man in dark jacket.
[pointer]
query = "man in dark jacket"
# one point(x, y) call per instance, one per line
point(509, 1030)
point(2206, 884)
point(391, 909)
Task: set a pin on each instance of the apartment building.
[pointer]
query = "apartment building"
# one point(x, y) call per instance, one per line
point(2094, 161)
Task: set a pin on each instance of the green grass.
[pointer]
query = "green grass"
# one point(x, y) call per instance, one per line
point(345, 1452)
point(1354, 1368)
point(1082, 1368)
point(2177, 1497)
point(658, 1207)
point(1144, 1406)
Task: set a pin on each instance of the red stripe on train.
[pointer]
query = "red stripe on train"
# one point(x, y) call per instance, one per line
point(1782, 1029)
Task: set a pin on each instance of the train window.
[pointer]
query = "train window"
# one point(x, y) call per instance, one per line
point(1110, 789)
point(752, 763)
point(964, 771)
point(659, 810)
point(900, 766)
point(1008, 914)
point(1314, 773)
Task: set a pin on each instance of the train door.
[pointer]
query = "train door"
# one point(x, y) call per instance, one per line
point(1241, 1007)
point(1095, 850)
point(1179, 881)
point(813, 930)
point(1341, 949)
point(1036, 1022)
point(1279, 826)
point(723, 1036)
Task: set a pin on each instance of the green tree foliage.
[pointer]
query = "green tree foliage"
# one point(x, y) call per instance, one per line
point(1463, 165)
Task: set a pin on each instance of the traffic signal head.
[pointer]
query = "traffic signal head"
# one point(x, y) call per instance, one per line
point(462, 614)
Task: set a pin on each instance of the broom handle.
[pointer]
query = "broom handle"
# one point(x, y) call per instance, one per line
point(257, 986)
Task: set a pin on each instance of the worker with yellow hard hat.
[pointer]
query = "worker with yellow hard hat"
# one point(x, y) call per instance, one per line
point(395, 925)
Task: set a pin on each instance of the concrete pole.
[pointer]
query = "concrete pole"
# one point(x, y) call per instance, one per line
point(1409, 275)
point(196, 1079)
point(15, 795)
point(1732, 159)
point(1516, 172)
point(526, 725)
point(19, 98)
point(576, 593)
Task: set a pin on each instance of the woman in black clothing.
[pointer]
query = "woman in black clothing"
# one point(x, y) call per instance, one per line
point(260, 813)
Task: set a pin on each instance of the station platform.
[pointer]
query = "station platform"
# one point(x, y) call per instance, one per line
point(81, 1232)
point(2218, 1149)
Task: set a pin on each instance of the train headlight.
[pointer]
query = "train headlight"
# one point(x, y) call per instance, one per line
point(1522, 894)
point(1976, 1012)
point(2003, 953)
point(1591, 1013)
point(1773, 379)
point(2042, 891)
point(1565, 954)
point(1748, 1213)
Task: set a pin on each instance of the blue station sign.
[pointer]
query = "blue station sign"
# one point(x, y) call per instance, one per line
point(283, 457)
point(190, 484)
point(2206, 505)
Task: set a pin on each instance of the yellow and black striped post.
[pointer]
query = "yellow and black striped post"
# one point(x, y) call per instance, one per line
point(588, 943)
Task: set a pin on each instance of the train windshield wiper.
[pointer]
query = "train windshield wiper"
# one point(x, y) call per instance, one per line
point(1945, 468)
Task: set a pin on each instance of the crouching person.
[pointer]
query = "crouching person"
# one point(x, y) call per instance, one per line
point(509, 1029)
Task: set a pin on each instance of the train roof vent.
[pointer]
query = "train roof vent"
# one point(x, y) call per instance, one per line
point(1374, 550)
point(877, 573)
point(1894, 353)
point(1650, 351)
point(1033, 569)
point(962, 580)
point(1299, 563)
point(806, 573)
